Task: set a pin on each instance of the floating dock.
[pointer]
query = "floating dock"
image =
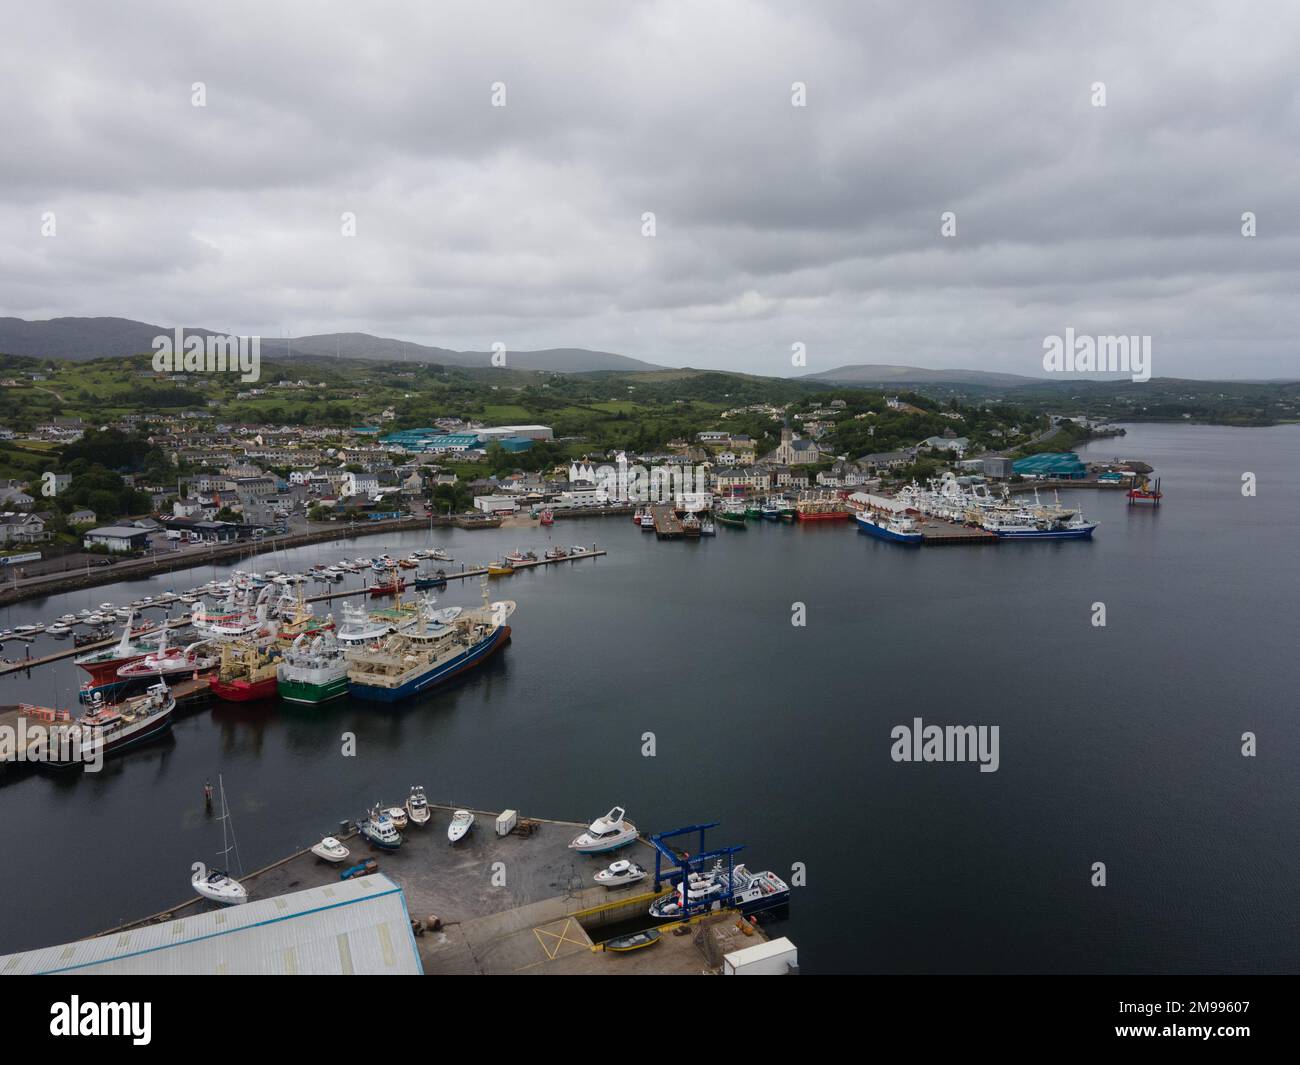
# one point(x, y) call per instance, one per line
point(516, 904)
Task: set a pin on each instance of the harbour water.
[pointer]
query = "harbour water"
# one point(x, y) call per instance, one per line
point(1119, 744)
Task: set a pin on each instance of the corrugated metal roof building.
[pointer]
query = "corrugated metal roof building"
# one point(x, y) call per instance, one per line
point(355, 926)
point(1064, 464)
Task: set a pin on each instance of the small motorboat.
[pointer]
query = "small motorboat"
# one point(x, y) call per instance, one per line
point(379, 831)
point(501, 568)
point(648, 938)
point(417, 806)
point(620, 873)
point(397, 815)
point(331, 850)
point(606, 833)
point(220, 887)
point(555, 554)
point(439, 555)
point(461, 822)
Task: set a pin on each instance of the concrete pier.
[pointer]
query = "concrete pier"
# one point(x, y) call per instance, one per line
point(522, 903)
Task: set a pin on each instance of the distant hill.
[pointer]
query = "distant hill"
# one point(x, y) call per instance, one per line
point(82, 339)
point(896, 376)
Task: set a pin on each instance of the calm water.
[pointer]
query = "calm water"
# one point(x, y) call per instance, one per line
point(1119, 744)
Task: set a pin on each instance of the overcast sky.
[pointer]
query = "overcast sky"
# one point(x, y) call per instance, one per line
point(775, 224)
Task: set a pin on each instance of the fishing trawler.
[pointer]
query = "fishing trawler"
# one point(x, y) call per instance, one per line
point(170, 663)
point(246, 673)
point(313, 670)
point(111, 728)
point(821, 510)
point(1026, 525)
point(408, 663)
point(102, 665)
point(897, 528)
point(391, 583)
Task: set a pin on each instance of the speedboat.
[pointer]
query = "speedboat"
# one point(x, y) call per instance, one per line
point(220, 887)
point(620, 873)
point(606, 833)
point(379, 831)
point(398, 816)
point(331, 850)
point(417, 806)
point(461, 822)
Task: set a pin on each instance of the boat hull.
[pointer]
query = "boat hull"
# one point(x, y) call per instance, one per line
point(1047, 534)
point(440, 674)
point(241, 691)
point(154, 730)
point(881, 533)
point(311, 692)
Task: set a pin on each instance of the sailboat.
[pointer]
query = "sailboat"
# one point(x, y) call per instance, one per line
point(216, 884)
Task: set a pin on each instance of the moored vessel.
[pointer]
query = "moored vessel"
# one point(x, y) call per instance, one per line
point(896, 528)
point(407, 663)
point(313, 670)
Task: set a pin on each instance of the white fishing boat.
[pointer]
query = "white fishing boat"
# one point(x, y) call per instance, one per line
point(619, 873)
point(606, 833)
point(417, 806)
point(379, 830)
point(331, 850)
point(461, 822)
point(217, 884)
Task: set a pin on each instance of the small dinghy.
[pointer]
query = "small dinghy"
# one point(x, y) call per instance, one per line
point(621, 872)
point(606, 833)
point(417, 806)
point(461, 822)
point(220, 887)
point(398, 816)
point(331, 850)
point(647, 938)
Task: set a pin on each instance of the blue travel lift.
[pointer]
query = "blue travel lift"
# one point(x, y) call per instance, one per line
point(694, 863)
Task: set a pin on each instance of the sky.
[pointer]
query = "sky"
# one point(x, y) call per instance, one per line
point(774, 225)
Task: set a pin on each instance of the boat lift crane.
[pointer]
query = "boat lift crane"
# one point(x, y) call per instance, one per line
point(693, 863)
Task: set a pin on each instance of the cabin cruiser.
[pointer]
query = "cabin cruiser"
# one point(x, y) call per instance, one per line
point(606, 833)
point(379, 830)
point(461, 822)
point(397, 815)
point(331, 850)
point(417, 806)
point(620, 873)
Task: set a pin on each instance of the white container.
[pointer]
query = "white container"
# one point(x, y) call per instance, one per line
point(777, 958)
point(506, 821)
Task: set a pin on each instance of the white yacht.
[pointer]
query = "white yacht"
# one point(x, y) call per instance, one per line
point(331, 850)
point(461, 822)
point(606, 833)
point(619, 873)
point(417, 806)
